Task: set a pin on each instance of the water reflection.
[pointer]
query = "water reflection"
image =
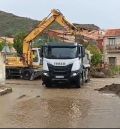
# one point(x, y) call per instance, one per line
point(56, 112)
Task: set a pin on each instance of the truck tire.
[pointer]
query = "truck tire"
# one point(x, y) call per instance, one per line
point(7, 74)
point(26, 75)
point(78, 82)
point(48, 84)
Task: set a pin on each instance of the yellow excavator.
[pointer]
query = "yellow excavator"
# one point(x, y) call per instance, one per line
point(28, 66)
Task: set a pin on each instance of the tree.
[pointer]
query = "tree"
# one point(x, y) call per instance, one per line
point(18, 42)
point(96, 58)
point(2, 44)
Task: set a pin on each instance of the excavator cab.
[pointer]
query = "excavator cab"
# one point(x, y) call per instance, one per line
point(37, 61)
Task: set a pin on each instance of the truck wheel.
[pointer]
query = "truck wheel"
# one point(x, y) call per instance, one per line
point(7, 74)
point(26, 75)
point(48, 84)
point(78, 82)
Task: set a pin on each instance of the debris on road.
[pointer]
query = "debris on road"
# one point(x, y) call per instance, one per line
point(5, 90)
point(22, 96)
point(38, 96)
point(113, 88)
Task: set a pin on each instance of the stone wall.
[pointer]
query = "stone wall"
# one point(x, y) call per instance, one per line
point(2, 70)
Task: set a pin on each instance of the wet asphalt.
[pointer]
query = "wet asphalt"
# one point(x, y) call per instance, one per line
point(33, 105)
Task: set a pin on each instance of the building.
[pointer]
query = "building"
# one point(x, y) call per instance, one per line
point(95, 36)
point(86, 35)
point(111, 44)
point(8, 47)
point(7, 40)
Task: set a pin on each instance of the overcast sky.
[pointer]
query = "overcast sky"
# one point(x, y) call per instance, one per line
point(104, 13)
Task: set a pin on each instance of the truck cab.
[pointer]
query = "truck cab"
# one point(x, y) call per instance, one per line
point(63, 63)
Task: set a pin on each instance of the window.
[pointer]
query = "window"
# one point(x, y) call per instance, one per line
point(60, 52)
point(112, 61)
point(35, 56)
point(112, 42)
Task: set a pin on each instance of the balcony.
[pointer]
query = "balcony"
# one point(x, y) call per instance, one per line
point(113, 48)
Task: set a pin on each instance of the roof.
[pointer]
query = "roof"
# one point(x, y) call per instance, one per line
point(7, 39)
point(88, 35)
point(112, 33)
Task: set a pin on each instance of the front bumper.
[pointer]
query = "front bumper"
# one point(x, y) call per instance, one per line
point(73, 76)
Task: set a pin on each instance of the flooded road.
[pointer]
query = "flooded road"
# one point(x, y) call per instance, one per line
point(32, 105)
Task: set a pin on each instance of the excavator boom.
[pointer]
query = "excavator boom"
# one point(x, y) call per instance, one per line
point(56, 16)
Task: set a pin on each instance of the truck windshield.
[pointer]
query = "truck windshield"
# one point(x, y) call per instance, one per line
point(60, 52)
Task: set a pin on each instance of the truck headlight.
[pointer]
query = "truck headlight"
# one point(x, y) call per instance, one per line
point(74, 73)
point(45, 74)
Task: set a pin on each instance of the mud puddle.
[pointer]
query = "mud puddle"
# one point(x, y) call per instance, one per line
point(60, 112)
point(113, 88)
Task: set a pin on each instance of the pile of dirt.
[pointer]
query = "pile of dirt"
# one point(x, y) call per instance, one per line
point(101, 73)
point(5, 90)
point(113, 88)
point(98, 75)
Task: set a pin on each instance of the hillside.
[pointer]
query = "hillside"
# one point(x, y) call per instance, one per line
point(10, 24)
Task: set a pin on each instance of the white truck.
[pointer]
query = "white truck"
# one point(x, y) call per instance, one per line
point(65, 63)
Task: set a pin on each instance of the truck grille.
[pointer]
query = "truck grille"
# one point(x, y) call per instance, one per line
point(60, 70)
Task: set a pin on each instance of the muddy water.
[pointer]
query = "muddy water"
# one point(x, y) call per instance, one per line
point(60, 112)
point(33, 105)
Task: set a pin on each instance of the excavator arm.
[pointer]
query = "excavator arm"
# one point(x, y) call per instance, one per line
point(54, 16)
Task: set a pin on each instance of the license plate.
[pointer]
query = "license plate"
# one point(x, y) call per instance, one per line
point(59, 77)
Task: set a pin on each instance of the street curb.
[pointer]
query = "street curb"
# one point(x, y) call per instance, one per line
point(5, 90)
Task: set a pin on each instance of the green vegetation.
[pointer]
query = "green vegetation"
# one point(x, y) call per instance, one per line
point(97, 55)
point(11, 24)
point(111, 71)
point(2, 45)
point(18, 42)
point(115, 70)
